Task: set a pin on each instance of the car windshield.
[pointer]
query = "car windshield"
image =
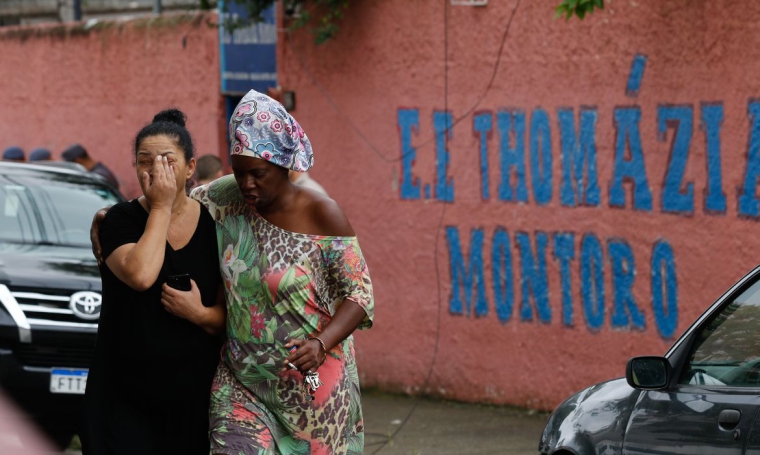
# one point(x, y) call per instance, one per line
point(54, 209)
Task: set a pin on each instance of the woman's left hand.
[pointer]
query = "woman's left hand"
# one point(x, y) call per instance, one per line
point(183, 304)
point(308, 356)
point(97, 219)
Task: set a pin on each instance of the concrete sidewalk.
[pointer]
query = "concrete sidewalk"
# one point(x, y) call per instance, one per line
point(447, 428)
point(443, 427)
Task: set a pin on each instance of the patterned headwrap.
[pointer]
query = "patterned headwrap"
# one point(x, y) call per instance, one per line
point(262, 128)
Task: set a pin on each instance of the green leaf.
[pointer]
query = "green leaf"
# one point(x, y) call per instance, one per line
point(299, 298)
point(247, 283)
point(292, 293)
point(265, 373)
point(329, 13)
point(579, 8)
point(266, 294)
point(267, 336)
point(224, 191)
point(300, 332)
point(281, 308)
point(242, 323)
point(254, 373)
point(263, 262)
point(293, 446)
point(285, 281)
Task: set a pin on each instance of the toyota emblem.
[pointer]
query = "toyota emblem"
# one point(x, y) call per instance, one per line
point(86, 305)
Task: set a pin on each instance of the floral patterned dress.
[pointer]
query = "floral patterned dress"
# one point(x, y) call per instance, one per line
point(282, 285)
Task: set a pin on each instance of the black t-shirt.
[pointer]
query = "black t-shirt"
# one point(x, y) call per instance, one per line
point(152, 371)
point(144, 329)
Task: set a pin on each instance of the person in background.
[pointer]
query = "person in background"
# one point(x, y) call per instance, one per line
point(15, 154)
point(158, 345)
point(78, 154)
point(40, 154)
point(304, 180)
point(208, 169)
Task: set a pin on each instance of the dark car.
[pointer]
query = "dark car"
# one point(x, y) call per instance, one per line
point(702, 397)
point(49, 289)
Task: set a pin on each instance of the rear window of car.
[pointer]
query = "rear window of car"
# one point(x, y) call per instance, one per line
point(50, 208)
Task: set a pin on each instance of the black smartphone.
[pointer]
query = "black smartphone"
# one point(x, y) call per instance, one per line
point(179, 282)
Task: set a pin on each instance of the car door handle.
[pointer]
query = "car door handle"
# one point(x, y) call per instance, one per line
point(729, 419)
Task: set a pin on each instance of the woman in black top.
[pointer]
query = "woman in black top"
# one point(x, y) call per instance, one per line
point(158, 347)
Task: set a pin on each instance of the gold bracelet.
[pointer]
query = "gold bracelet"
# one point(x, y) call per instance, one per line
point(322, 343)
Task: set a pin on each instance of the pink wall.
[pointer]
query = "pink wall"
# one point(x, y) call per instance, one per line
point(429, 258)
point(386, 71)
point(66, 84)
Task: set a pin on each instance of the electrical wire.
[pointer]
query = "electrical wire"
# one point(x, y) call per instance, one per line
point(488, 87)
point(446, 133)
point(437, 234)
point(335, 106)
point(429, 141)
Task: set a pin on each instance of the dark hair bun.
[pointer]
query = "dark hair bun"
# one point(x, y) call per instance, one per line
point(171, 116)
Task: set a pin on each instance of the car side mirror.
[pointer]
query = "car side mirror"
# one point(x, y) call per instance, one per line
point(647, 372)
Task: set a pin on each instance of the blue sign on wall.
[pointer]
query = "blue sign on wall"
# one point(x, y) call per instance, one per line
point(248, 55)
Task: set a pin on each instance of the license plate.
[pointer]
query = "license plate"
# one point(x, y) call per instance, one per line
point(68, 380)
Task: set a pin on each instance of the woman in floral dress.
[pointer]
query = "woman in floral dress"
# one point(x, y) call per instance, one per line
point(296, 286)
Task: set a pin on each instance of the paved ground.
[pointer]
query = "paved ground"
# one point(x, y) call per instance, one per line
point(445, 428)
point(448, 428)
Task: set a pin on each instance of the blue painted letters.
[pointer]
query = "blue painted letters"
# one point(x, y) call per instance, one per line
point(664, 301)
point(636, 75)
point(626, 313)
point(482, 125)
point(512, 157)
point(503, 283)
point(564, 251)
point(592, 281)
point(712, 121)
point(444, 186)
point(627, 123)
point(534, 281)
point(408, 122)
point(577, 188)
point(468, 277)
point(748, 205)
point(541, 156)
point(681, 119)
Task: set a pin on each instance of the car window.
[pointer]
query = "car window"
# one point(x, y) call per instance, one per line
point(727, 348)
point(58, 207)
point(18, 221)
point(67, 209)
